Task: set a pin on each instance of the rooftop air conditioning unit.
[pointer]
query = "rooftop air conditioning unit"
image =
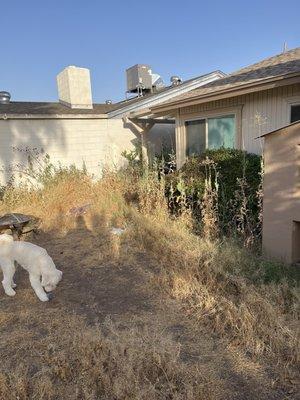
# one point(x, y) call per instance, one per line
point(138, 76)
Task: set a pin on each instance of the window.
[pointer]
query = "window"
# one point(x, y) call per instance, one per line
point(295, 112)
point(221, 132)
point(195, 137)
point(209, 133)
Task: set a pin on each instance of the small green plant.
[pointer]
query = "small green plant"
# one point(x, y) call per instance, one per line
point(135, 159)
point(131, 156)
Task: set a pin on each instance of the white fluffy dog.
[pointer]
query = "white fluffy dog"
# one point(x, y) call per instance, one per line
point(34, 259)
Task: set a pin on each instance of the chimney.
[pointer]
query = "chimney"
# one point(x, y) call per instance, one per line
point(74, 87)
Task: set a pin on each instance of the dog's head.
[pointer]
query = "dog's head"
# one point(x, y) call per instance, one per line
point(51, 279)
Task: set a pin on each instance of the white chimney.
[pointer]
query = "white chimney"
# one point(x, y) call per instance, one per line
point(74, 87)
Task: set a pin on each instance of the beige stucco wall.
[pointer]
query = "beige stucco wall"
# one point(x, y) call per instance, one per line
point(282, 193)
point(96, 142)
point(257, 113)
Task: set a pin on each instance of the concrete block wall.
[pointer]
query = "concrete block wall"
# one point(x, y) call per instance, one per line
point(94, 142)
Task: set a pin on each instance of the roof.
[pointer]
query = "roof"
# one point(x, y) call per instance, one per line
point(48, 108)
point(55, 109)
point(281, 65)
point(280, 129)
point(164, 94)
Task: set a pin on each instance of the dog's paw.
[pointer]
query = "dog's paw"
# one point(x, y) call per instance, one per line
point(10, 292)
point(50, 296)
point(44, 298)
point(14, 285)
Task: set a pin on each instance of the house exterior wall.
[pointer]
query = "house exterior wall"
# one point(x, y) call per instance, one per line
point(95, 142)
point(281, 207)
point(161, 137)
point(256, 113)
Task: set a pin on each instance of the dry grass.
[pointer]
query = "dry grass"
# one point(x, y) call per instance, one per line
point(208, 277)
point(107, 363)
point(219, 285)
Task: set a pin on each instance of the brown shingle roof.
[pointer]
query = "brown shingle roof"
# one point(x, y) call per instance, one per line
point(279, 65)
point(49, 108)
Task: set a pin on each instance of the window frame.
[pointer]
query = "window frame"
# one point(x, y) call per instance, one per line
point(236, 112)
point(293, 105)
point(291, 101)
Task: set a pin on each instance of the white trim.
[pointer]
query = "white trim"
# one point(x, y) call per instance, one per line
point(168, 94)
point(52, 116)
point(291, 101)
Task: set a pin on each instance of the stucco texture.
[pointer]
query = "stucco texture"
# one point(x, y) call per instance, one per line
point(281, 208)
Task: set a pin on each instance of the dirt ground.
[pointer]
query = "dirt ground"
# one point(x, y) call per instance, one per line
point(96, 288)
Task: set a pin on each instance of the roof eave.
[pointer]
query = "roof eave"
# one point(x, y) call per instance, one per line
point(185, 87)
point(265, 84)
point(6, 116)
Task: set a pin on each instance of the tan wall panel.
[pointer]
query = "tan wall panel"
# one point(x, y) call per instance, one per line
point(281, 192)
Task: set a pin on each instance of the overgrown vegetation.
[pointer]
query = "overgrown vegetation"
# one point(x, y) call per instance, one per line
point(232, 178)
point(249, 302)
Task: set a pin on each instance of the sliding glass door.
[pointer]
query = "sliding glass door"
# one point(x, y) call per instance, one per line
point(210, 133)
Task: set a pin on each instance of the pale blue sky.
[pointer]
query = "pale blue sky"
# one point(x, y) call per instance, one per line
point(190, 38)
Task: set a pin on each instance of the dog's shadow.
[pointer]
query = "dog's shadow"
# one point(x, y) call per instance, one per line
point(83, 245)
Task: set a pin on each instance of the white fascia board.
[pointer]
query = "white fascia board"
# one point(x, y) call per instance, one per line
point(167, 95)
point(52, 116)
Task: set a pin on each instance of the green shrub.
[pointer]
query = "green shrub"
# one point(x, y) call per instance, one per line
point(238, 179)
point(231, 165)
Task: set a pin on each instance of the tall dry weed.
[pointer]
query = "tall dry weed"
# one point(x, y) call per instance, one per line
point(210, 278)
point(209, 203)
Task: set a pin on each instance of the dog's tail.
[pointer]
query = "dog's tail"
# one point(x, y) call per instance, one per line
point(4, 238)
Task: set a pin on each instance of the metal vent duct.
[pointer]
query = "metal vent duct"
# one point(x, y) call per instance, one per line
point(4, 97)
point(175, 80)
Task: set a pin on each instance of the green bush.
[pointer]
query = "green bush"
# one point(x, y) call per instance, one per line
point(236, 171)
point(231, 165)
